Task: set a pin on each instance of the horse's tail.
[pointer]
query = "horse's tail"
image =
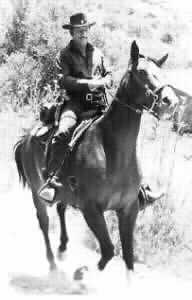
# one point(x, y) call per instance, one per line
point(18, 160)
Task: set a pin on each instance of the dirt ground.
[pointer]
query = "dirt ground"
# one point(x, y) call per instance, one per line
point(24, 264)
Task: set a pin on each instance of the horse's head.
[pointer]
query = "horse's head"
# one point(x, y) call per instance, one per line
point(144, 87)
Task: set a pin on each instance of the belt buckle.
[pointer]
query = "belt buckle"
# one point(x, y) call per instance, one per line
point(89, 97)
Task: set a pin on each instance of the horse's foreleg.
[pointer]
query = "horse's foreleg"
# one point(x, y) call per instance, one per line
point(97, 224)
point(44, 225)
point(61, 207)
point(126, 228)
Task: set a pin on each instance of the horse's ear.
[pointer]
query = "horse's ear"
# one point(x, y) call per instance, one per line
point(161, 61)
point(134, 52)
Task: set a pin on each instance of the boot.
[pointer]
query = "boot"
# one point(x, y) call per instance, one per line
point(59, 151)
point(147, 197)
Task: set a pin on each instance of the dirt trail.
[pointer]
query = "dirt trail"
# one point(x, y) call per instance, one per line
point(23, 259)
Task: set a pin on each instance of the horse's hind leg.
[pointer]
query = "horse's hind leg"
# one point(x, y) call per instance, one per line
point(126, 228)
point(61, 208)
point(44, 225)
point(97, 224)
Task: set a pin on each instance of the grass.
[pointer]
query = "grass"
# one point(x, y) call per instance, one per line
point(162, 230)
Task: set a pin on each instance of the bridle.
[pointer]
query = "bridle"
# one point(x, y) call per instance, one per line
point(154, 94)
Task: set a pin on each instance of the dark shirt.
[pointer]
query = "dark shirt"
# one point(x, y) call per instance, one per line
point(73, 65)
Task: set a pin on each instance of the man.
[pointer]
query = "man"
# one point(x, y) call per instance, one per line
point(83, 73)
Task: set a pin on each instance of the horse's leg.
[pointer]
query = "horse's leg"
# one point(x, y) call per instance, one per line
point(97, 224)
point(126, 227)
point(44, 225)
point(61, 207)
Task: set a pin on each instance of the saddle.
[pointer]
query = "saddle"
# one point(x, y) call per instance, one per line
point(45, 132)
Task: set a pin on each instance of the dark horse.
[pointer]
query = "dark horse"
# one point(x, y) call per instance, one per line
point(105, 163)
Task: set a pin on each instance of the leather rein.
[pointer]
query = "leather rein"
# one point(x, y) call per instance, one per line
point(148, 93)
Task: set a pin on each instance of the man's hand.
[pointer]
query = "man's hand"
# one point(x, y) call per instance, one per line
point(95, 83)
point(100, 82)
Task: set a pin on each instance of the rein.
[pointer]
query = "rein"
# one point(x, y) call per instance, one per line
point(148, 93)
point(136, 110)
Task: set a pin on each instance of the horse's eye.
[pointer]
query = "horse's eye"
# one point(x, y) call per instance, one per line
point(166, 101)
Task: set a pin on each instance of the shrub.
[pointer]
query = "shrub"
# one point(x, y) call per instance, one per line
point(20, 75)
point(17, 31)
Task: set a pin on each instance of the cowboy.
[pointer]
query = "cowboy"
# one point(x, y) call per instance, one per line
point(83, 73)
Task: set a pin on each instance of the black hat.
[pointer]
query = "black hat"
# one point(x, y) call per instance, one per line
point(77, 21)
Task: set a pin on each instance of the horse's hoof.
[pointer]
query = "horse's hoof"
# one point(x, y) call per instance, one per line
point(53, 267)
point(130, 276)
point(61, 255)
point(102, 263)
point(80, 273)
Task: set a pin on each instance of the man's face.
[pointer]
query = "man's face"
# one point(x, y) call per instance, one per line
point(80, 35)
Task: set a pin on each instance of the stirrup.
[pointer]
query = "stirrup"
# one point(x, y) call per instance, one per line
point(47, 193)
point(48, 190)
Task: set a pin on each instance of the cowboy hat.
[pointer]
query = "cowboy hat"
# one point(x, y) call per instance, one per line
point(77, 21)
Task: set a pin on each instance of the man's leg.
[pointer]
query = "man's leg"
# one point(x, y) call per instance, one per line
point(59, 150)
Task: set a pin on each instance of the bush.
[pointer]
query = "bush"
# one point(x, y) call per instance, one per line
point(20, 75)
point(17, 31)
point(36, 30)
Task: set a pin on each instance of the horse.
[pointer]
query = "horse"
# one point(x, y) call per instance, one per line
point(104, 163)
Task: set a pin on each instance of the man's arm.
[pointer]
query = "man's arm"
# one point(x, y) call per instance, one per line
point(105, 79)
point(65, 80)
point(70, 83)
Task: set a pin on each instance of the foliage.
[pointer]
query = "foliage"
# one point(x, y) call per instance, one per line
point(16, 31)
point(157, 236)
point(35, 31)
point(20, 75)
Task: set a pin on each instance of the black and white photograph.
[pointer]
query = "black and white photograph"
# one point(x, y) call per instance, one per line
point(96, 148)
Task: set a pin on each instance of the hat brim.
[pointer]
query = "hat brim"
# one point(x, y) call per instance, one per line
point(69, 26)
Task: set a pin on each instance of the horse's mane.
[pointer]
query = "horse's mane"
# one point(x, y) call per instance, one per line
point(124, 80)
point(123, 84)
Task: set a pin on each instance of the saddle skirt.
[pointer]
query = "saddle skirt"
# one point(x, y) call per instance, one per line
point(44, 133)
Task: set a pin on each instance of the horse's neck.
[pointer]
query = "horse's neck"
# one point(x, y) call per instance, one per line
point(122, 124)
point(120, 130)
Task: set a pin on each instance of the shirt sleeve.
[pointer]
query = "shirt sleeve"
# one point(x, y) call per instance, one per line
point(65, 79)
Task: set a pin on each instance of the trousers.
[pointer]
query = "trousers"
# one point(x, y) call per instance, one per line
point(68, 120)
